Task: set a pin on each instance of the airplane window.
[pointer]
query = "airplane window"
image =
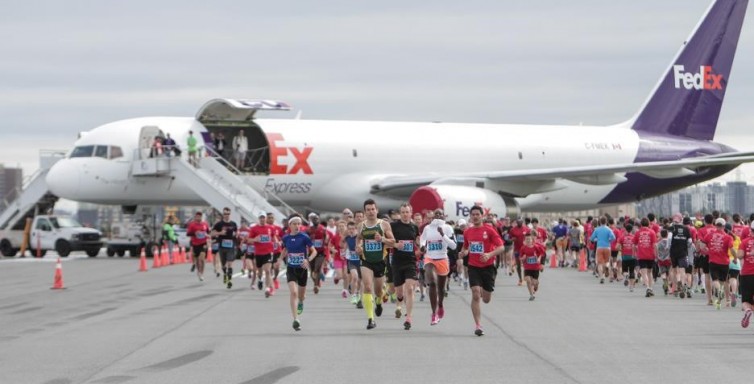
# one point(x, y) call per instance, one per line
point(115, 152)
point(82, 151)
point(101, 151)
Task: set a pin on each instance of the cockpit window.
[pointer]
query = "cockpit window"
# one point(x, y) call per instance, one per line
point(115, 152)
point(82, 151)
point(101, 151)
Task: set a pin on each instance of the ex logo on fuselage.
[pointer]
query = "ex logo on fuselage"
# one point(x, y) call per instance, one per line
point(278, 152)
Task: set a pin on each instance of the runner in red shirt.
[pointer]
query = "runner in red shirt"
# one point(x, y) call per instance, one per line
point(263, 237)
point(531, 255)
point(339, 256)
point(482, 244)
point(276, 246)
point(319, 236)
point(644, 243)
point(746, 278)
point(628, 261)
point(198, 231)
point(718, 245)
point(740, 229)
point(615, 261)
point(517, 234)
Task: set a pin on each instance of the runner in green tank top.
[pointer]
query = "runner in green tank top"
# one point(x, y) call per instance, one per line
point(373, 237)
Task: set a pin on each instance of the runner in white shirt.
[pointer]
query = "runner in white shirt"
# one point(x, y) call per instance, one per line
point(435, 240)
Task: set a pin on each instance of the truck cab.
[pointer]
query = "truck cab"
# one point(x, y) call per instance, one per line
point(64, 234)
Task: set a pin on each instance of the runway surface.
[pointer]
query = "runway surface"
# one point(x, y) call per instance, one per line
point(113, 324)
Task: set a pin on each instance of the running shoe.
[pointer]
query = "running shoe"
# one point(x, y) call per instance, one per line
point(682, 293)
point(230, 284)
point(465, 284)
point(344, 294)
point(665, 287)
point(360, 305)
point(479, 331)
point(746, 319)
point(378, 310)
point(193, 267)
point(718, 304)
point(407, 324)
point(336, 280)
point(733, 301)
point(702, 290)
point(393, 298)
point(354, 299)
point(440, 313)
point(434, 320)
point(398, 313)
point(648, 294)
point(300, 308)
point(217, 274)
point(520, 283)
point(531, 298)
point(385, 297)
point(296, 325)
point(371, 324)
point(651, 293)
point(260, 285)
point(225, 279)
point(421, 298)
point(631, 289)
point(267, 293)
point(316, 289)
point(201, 278)
point(602, 280)
point(276, 283)
point(625, 283)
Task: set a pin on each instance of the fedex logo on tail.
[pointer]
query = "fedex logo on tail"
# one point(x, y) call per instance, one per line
point(704, 79)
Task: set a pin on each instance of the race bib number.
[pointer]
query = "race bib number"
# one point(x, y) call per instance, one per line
point(215, 246)
point(531, 260)
point(476, 247)
point(250, 249)
point(318, 243)
point(372, 246)
point(459, 239)
point(264, 238)
point(243, 247)
point(353, 255)
point(200, 235)
point(435, 245)
point(296, 259)
point(275, 247)
point(227, 243)
point(406, 246)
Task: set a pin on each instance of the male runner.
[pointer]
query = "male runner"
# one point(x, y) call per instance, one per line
point(404, 261)
point(679, 252)
point(278, 233)
point(320, 237)
point(373, 236)
point(517, 234)
point(263, 237)
point(746, 278)
point(299, 253)
point(225, 230)
point(198, 231)
point(353, 264)
point(531, 255)
point(718, 244)
point(435, 240)
point(604, 236)
point(644, 243)
point(482, 244)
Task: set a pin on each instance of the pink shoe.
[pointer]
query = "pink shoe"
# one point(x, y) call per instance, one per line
point(344, 294)
point(276, 284)
point(746, 319)
point(440, 313)
point(434, 320)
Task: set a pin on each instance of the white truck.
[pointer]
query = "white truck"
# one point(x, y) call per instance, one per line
point(58, 233)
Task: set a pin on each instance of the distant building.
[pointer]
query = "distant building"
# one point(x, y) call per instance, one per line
point(11, 181)
point(731, 197)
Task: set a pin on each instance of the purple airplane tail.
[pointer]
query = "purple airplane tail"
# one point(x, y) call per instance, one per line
point(687, 100)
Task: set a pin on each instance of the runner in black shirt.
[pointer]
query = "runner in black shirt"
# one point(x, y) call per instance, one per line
point(225, 230)
point(404, 261)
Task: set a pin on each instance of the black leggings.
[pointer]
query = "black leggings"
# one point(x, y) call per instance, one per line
point(630, 267)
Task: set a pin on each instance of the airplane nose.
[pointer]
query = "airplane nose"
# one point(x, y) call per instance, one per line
point(63, 179)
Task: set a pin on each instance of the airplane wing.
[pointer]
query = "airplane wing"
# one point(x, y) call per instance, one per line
point(528, 181)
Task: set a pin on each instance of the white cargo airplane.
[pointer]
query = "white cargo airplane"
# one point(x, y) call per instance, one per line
point(329, 165)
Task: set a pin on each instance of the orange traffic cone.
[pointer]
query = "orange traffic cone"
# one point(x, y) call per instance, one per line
point(210, 259)
point(58, 281)
point(554, 260)
point(175, 254)
point(183, 256)
point(165, 256)
point(142, 261)
point(155, 259)
point(582, 261)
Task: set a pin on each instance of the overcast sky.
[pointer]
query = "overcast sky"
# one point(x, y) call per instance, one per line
point(69, 66)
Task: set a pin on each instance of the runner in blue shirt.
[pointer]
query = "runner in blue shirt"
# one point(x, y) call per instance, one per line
point(298, 251)
point(603, 236)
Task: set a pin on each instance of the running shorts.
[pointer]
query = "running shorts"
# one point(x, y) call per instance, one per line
point(378, 269)
point(197, 250)
point(442, 267)
point(297, 275)
point(747, 288)
point(227, 255)
point(718, 272)
point(531, 273)
point(646, 264)
point(261, 260)
point(603, 255)
point(483, 277)
point(401, 273)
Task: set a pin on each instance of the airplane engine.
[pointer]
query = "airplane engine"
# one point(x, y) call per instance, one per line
point(457, 200)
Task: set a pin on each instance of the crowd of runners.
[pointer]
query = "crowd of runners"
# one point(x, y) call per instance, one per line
point(404, 254)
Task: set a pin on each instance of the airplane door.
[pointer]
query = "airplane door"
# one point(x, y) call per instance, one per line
point(146, 139)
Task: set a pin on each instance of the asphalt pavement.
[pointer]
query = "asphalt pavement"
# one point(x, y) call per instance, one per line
point(113, 324)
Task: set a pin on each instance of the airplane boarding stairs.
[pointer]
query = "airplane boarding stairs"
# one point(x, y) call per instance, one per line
point(33, 198)
point(220, 186)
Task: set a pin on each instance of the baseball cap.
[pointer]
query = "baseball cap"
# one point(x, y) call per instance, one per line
point(461, 222)
point(262, 214)
point(720, 221)
point(313, 214)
